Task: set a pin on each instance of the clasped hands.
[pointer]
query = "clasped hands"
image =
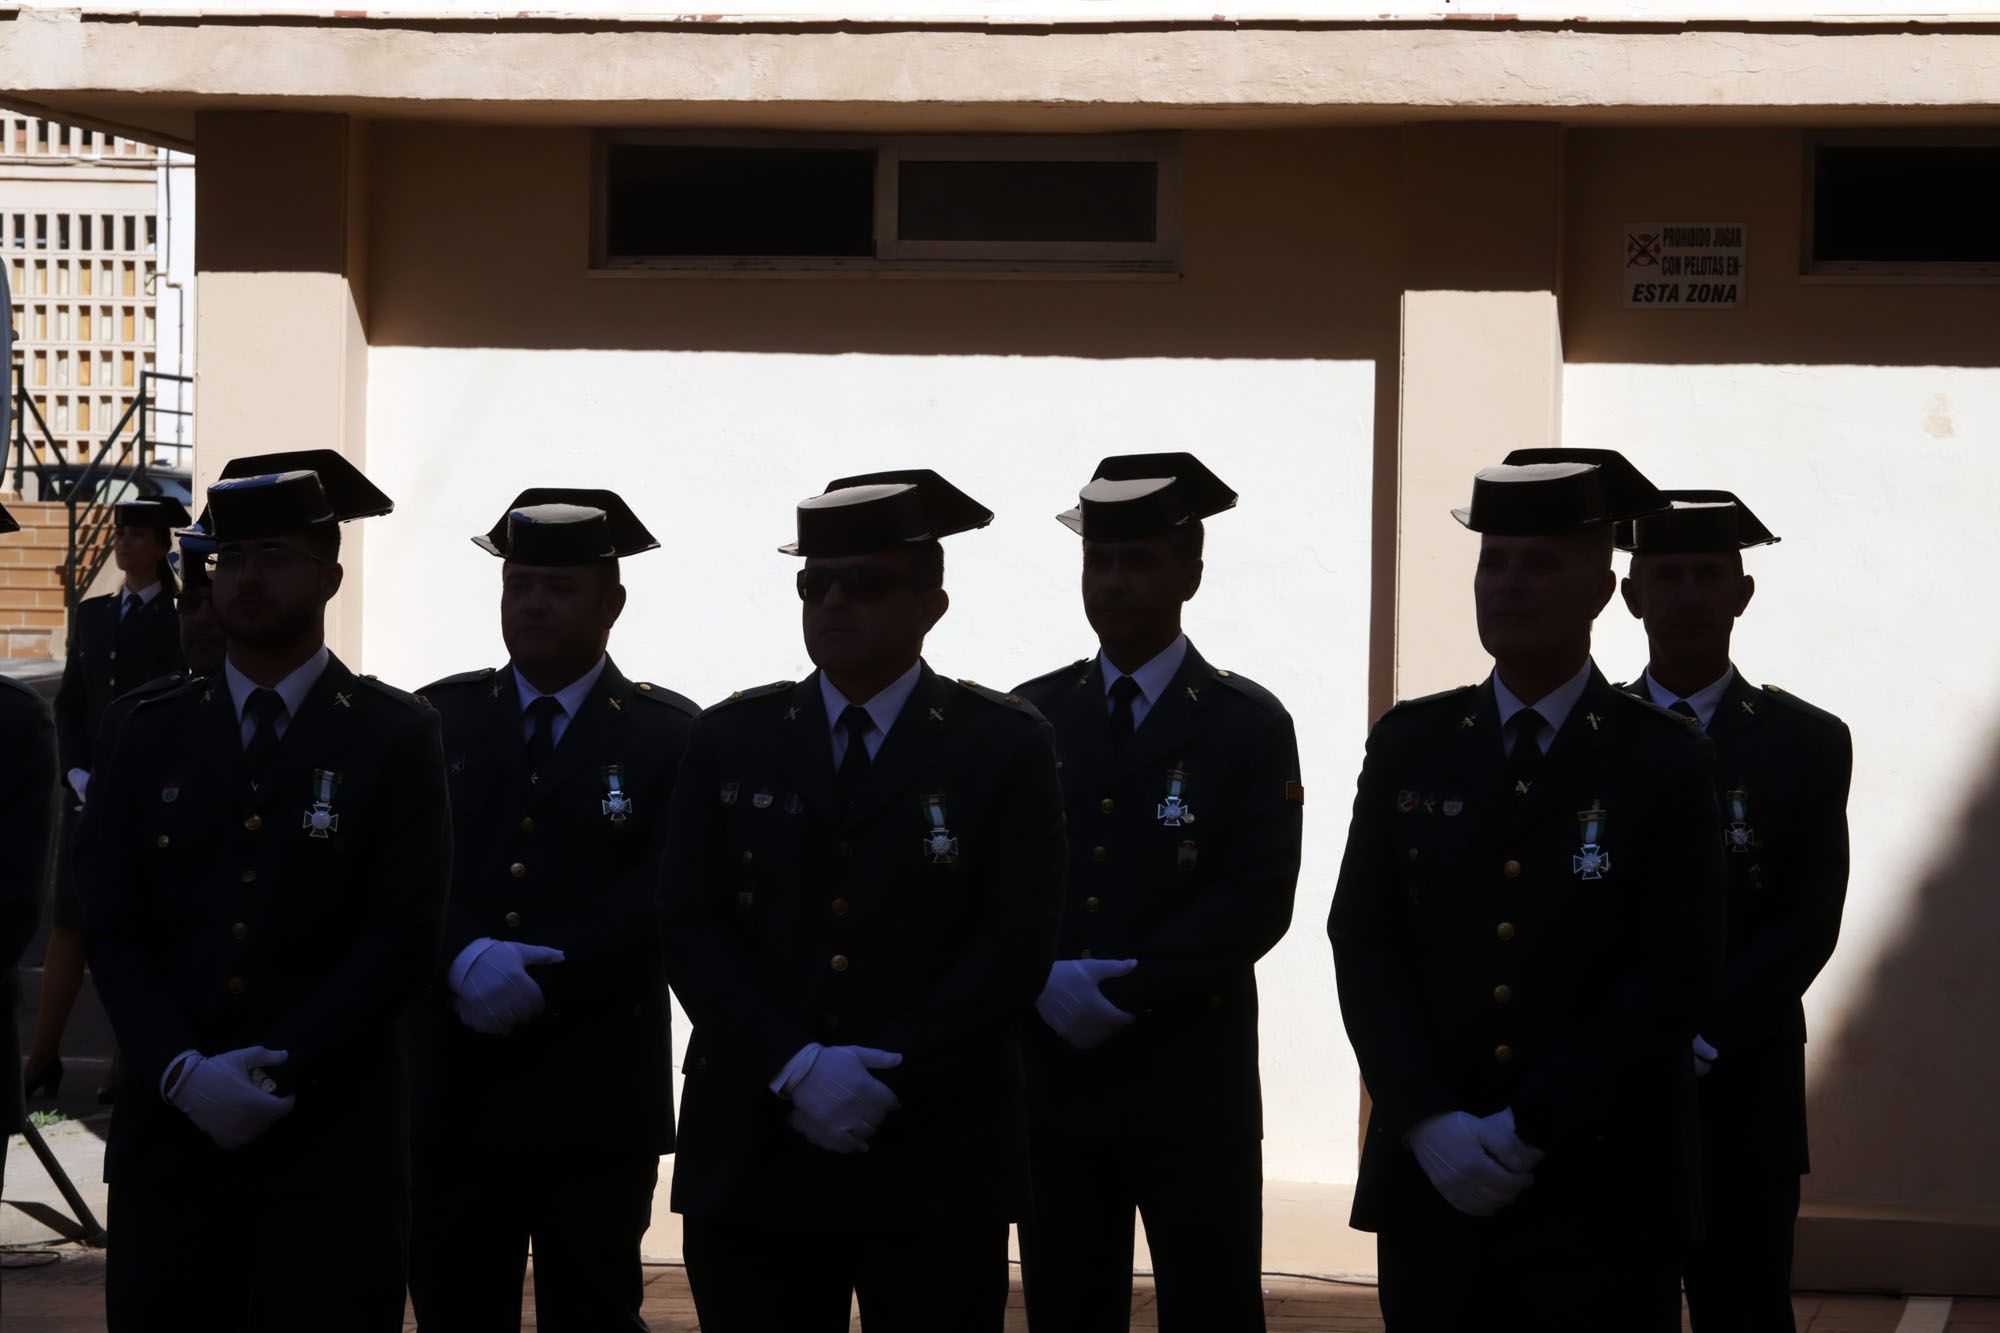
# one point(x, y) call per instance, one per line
point(1478, 1163)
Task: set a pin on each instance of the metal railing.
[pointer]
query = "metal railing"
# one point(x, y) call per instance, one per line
point(123, 467)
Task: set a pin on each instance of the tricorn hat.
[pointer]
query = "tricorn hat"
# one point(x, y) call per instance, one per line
point(566, 525)
point(881, 511)
point(1543, 492)
point(1696, 522)
point(1135, 496)
point(162, 513)
point(276, 495)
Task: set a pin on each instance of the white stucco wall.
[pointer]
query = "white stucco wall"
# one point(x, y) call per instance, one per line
point(713, 450)
point(1877, 606)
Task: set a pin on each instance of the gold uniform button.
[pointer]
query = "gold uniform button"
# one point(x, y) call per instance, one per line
point(1413, 853)
point(1503, 1055)
point(527, 823)
point(1502, 994)
point(831, 1021)
point(701, 1065)
point(237, 985)
point(843, 851)
point(646, 686)
point(112, 656)
point(1106, 806)
point(1505, 930)
point(748, 856)
point(248, 875)
point(512, 918)
point(1512, 870)
point(1091, 904)
point(254, 823)
point(838, 907)
point(517, 870)
point(162, 841)
point(839, 963)
point(746, 899)
point(1099, 854)
point(239, 931)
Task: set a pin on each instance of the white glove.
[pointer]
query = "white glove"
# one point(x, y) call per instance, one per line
point(490, 986)
point(221, 1095)
point(1075, 1008)
point(78, 780)
point(836, 1102)
point(1497, 1136)
point(1450, 1149)
point(1704, 1055)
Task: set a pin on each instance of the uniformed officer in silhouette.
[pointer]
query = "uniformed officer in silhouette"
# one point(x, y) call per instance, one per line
point(1182, 789)
point(1781, 774)
point(117, 642)
point(27, 812)
point(265, 859)
point(1527, 930)
point(551, 1012)
point(861, 887)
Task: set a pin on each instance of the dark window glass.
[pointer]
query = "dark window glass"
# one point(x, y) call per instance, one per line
point(1027, 201)
point(1906, 204)
point(667, 200)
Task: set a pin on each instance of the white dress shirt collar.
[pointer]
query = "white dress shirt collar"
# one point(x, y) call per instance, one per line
point(1152, 678)
point(145, 595)
point(1555, 706)
point(1704, 701)
point(882, 710)
point(570, 696)
point(292, 689)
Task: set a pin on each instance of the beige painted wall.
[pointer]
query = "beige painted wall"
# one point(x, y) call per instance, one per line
point(280, 258)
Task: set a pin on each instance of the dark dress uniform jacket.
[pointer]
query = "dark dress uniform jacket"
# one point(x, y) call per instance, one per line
point(789, 922)
point(1782, 769)
point(1480, 969)
point(551, 859)
point(1197, 899)
point(217, 920)
point(110, 654)
point(27, 811)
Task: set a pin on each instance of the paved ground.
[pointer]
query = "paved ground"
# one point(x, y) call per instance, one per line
point(63, 1297)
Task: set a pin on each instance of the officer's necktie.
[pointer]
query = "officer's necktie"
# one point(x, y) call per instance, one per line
point(1524, 761)
point(1123, 691)
point(131, 603)
point(263, 709)
point(542, 714)
point(1686, 710)
point(854, 720)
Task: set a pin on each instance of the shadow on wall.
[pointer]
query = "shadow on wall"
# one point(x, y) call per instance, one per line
point(1882, 1113)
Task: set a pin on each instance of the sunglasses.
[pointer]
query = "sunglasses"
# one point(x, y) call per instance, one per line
point(859, 583)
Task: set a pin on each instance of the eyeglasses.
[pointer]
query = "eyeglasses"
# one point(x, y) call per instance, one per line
point(271, 557)
point(860, 583)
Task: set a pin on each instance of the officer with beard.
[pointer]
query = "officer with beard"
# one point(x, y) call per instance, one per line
point(265, 871)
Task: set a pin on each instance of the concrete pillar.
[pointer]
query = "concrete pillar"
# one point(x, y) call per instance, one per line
point(1481, 364)
point(280, 251)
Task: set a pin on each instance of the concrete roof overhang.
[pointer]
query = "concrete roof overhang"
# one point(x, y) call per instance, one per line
point(146, 74)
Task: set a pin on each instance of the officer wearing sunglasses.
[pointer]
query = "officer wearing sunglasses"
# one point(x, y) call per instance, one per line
point(859, 898)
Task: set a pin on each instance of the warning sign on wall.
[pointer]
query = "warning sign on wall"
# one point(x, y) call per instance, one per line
point(1683, 265)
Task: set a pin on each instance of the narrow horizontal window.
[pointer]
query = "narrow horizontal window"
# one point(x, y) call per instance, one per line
point(1884, 206)
point(667, 200)
point(1046, 202)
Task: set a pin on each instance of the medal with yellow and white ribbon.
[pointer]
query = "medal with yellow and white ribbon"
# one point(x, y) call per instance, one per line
point(321, 821)
point(1737, 835)
point(1591, 860)
point(939, 845)
point(616, 804)
point(1174, 811)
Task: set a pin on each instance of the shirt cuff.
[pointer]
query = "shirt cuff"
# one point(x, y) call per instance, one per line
point(454, 976)
point(796, 1069)
point(175, 1065)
